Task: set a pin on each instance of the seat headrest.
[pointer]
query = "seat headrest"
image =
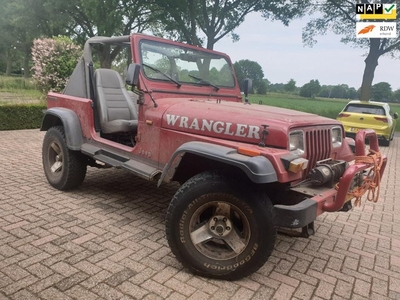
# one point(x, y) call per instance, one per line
point(108, 78)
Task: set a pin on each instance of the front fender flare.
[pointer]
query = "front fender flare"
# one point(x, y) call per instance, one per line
point(258, 168)
point(69, 120)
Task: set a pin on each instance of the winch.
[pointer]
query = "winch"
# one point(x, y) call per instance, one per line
point(327, 172)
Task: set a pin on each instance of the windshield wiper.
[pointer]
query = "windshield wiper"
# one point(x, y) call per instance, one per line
point(204, 82)
point(162, 73)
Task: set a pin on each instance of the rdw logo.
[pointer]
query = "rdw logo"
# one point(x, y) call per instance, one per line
point(376, 30)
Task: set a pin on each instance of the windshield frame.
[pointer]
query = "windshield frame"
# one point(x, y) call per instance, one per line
point(176, 56)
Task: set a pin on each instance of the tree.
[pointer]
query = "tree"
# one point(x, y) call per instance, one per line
point(187, 20)
point(340, 91)
point(21, 21)
point(325, 91)
point(290, 86)
point(277, 87)
point(381, 91)
point(396, 95)
point(88, 18)
point(262, 88)
point(340, 17)
point(18, 27)
point(310, 89)
point(353, 94)
point(250, 69)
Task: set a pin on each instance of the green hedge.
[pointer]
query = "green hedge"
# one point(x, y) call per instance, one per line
point(14, 117)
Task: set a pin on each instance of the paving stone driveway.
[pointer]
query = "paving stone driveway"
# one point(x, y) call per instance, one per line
point(106, 241)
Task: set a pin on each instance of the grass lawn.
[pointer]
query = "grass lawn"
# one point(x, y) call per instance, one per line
point(18, 90)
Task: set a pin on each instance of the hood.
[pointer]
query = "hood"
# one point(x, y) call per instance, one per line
point(237, 121)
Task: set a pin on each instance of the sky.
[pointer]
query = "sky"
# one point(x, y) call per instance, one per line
point(280, 52)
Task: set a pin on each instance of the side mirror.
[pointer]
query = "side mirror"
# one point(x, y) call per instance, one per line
point(395, 115)
point(247, 85)
point(132, 76)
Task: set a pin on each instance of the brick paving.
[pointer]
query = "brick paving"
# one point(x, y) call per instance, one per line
point(106, 240)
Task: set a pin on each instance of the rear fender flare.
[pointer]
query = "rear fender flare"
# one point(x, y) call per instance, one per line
point(257, 168)
point(69, 120)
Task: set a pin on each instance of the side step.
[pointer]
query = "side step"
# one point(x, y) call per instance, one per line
point(117, 160)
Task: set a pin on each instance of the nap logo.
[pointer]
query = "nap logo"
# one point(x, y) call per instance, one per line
point(376, 11)
point(376, 30)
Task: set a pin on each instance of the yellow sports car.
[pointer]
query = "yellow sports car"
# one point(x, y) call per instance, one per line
point(358, 115)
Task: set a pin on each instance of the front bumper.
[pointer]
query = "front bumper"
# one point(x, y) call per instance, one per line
point(328, 200)
point(295, 216)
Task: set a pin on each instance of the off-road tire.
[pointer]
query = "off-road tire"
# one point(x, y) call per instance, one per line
point(69, 167)
point(202, 202)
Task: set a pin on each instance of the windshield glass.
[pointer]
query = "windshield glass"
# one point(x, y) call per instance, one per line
point(180, 62)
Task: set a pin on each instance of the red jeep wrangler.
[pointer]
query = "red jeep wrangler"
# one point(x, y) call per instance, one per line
point(245, 169)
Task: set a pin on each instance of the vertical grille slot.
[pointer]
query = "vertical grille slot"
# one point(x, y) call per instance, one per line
point(318, 146)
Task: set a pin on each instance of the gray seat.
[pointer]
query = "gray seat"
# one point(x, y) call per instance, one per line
point(117, 112)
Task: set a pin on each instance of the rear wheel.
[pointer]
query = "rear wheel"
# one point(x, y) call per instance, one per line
point(64, 168)
point(220, 228)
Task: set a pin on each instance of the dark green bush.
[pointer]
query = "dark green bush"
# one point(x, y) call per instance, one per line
point(14, 117)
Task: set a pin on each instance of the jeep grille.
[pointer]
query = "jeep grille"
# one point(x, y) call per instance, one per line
point(318, 146)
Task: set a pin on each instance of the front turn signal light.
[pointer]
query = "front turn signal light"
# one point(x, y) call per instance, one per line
point(298, 165)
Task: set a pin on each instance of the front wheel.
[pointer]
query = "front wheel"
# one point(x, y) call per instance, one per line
point(220, 228)
point(64, 168)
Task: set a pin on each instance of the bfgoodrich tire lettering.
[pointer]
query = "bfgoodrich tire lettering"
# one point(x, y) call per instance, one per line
point(64, 168)
point(219, 227)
